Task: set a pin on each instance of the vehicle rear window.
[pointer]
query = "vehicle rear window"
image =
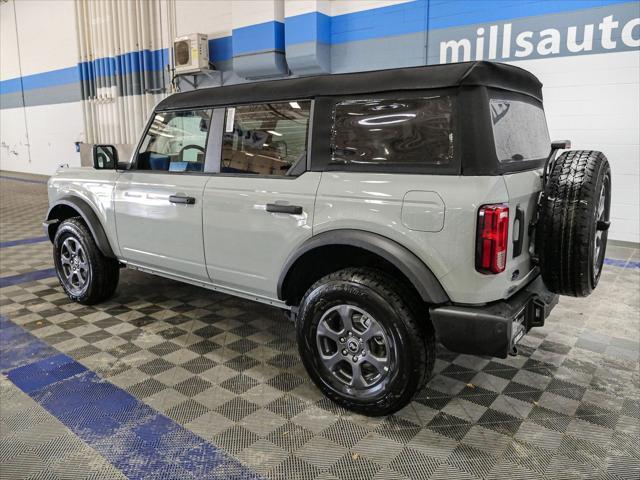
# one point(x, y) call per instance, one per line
point(519, 130)
point(405, 131)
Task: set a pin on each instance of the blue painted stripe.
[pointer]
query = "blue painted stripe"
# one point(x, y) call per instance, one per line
point(40, 80)
point(27, 277)
point(132, 436)
point(127, 63)
point(308, 27)
point(19, 347)
point(19, 179)
point(621, 263)
point(411, 17)
point(380, 22)
point(220, 49)
point(257, 38)
point(23, 241)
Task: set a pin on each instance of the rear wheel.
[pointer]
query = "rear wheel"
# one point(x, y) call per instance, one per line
point(86, 275)
point(572, 229)
point(363, 342)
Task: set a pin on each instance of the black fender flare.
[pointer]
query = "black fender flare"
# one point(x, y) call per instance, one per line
point(419, 274)
point(89, 217)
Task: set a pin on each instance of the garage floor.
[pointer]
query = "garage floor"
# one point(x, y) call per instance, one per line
point(171, 381)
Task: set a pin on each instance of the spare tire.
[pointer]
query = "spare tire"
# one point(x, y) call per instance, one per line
point(573, 222)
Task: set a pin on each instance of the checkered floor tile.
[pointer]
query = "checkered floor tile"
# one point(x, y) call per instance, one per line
point(568, 406)
point(23, 206)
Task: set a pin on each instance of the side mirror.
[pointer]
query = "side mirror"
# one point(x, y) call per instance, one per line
point(105, 157)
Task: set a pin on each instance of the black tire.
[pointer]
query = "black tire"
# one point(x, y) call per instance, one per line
point(393, 309)
point(96, 277)
point(572, 228)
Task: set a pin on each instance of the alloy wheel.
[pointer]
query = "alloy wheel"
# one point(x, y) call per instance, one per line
point(75, 265)
point(354, 347)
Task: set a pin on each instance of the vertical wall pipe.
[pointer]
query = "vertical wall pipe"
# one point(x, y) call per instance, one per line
point(78, 10)
point(120, 58)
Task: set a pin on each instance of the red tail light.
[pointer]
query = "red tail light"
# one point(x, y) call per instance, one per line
point(492, 238)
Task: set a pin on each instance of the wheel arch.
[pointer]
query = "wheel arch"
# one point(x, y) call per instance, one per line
point(336, 249)
point(72, 206)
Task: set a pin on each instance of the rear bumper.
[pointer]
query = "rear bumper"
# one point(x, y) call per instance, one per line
point(494, 329)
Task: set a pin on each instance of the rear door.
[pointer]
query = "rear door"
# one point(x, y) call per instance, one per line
point(158, 201)
point(259, 207)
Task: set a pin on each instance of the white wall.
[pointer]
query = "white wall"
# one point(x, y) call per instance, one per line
point(46, 33)
point(53, 129)
point(13, 134)
point(43, 136)
point(212, 18)
point(594, 101)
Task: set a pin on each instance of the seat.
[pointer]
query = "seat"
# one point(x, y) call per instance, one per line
point(158, 162)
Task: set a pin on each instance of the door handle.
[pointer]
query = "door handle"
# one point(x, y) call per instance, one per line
point(182, 199)
point(278, 208)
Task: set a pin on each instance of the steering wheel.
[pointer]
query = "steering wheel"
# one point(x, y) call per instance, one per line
point(187, 147)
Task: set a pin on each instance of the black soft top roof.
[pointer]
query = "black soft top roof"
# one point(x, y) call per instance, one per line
point(489, 74)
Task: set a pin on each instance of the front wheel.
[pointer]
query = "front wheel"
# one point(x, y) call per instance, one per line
point(362, 341)
point(86, 275)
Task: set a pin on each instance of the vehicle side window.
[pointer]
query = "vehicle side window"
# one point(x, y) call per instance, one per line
point(175, 142)
point(409, 131)
point(265, 138)
point(519, 129)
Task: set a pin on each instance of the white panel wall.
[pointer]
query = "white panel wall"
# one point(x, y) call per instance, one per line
point(252, 12)
point(298, 7)
point(340, 7)
point(47, 35)
point(53, 129)
point(44, 45)
point(13, 135)
point(212, 17)
point(593, 101)
point(9, 65)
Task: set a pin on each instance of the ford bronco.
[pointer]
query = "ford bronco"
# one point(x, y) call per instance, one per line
point(384, 211)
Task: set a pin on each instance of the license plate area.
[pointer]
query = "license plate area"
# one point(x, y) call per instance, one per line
point(532, 314)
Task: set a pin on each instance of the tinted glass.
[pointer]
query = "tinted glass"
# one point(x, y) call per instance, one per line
point(393, 131)
point(266, 138)
point(176, 142)
point(519, 130)
point(106, 157)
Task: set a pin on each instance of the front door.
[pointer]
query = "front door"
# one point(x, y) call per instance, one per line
point(158, 201)
point(259, 208)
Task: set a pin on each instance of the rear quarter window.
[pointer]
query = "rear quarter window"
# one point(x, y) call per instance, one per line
point(519, 128)
point(400, 131)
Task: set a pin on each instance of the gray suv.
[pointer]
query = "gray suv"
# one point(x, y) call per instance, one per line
point(384, 211)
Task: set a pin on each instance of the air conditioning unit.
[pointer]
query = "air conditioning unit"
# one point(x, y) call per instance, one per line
point(191, 53)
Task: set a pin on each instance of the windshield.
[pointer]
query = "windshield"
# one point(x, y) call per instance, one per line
point(519, 129)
